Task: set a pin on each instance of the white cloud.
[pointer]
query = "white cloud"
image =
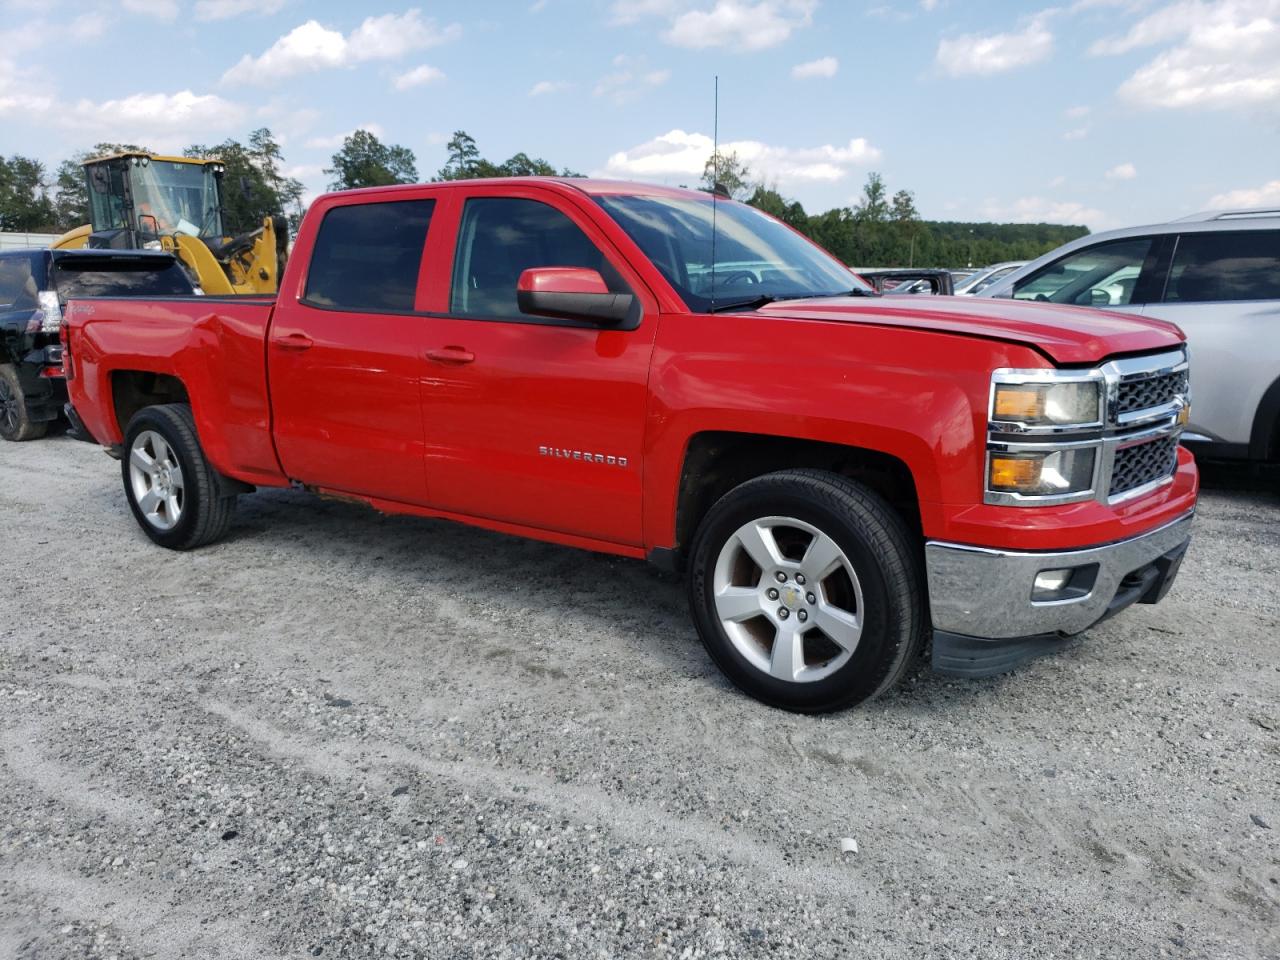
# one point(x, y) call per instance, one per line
point(1123, 171)
point(418, 76)
point(823, 67)
point(226, 9)
point(929, 5)
point(88, 26)
point(682, 155)
point(165, 121)
point(1267, 195)
point(742, 25)
point(544, 87)
point(1075, 113)
point(1225, 55)
point(312, 47)
point(1057, 181)
point(1076, 133)
point(975, 53)
point(1041, 210)
point(630, 80)
point(335, 141)
point(160, 9)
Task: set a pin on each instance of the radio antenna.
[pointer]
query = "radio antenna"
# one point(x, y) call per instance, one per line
point(715, 180)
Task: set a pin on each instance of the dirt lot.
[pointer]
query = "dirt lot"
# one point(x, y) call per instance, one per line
point(339, 734)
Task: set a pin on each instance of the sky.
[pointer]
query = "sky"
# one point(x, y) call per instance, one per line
point(1105, 113)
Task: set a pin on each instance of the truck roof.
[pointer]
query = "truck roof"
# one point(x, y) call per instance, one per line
point(588, 185)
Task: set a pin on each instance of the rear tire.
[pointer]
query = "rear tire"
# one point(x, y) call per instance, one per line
point(807, 591)
point(15, 421)
point(174, 493)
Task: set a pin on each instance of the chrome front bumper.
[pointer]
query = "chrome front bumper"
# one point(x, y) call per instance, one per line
point(981, 598)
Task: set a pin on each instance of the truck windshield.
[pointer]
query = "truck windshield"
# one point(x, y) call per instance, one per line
point(182, 197)
point(756, 258)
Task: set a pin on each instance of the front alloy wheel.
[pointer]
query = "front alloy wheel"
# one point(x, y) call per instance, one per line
point(788, 599)
point(807, 589)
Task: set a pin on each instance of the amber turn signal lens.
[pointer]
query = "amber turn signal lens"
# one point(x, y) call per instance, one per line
point(1015, 473)
point(1015, 404)
point(1184, 416)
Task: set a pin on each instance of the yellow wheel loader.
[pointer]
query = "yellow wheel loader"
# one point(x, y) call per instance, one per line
point(143, 201)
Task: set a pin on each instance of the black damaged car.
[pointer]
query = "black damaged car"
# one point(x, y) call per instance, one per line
point(34, 286)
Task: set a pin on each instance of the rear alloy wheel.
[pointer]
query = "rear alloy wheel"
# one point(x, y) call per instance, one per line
point(15, 422)
point(175, 494)
point(807, 590)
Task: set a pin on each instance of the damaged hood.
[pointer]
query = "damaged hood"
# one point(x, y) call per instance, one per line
point(1068, 335)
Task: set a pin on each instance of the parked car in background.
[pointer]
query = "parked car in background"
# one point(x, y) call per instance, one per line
point(975, 283)
point(905, 280)
point(1217, 276)
point(34, 286)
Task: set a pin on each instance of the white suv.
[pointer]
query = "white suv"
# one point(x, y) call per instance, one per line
point(1217, 276)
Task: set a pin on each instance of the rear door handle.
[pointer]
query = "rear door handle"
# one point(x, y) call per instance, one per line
point(451, 355)
point(294, 341)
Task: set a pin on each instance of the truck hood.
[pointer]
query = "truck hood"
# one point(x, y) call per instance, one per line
point(1068, 335)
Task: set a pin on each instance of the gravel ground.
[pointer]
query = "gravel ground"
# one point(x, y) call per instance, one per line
point(343, 735)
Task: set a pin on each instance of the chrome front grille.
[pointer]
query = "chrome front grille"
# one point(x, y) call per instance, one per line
point(1141, 464)
point(1145, 392)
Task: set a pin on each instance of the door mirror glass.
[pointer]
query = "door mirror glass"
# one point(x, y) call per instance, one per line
point(1099, 298)
point(571, 293)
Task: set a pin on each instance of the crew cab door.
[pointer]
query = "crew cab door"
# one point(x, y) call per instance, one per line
point(535, 421)
point(345, 347)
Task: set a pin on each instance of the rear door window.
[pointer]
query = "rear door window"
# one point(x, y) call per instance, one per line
point(1231, 265)
point(1105, 275)
point(367, 256)
point(119, 277)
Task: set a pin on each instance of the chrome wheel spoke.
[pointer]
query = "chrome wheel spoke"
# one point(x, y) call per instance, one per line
point(149, 503)
point(171, 507)
point(175, 476)
point(786, 659)
point(738, 603)
point(759, 543)
point(842, 627)
point(821, 558)
point(139, 458)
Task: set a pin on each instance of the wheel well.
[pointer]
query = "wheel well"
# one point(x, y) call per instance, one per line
point(1264, 441)
point(131, 390)
point(716, 462)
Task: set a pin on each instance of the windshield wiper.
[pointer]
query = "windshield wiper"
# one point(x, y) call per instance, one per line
point(755, 303)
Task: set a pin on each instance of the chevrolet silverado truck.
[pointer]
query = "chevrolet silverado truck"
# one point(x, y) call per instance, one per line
point(665, 374)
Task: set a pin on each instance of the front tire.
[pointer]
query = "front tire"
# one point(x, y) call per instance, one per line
point(174, 493)
point(806, 591)
point(15, 421)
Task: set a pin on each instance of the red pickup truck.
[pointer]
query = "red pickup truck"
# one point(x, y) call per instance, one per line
point(662, 373)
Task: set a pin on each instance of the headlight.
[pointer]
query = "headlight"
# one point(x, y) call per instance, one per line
point(1056, 404)
point(1056, 473)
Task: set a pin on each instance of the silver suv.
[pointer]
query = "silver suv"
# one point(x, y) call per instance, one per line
point(1217, 276)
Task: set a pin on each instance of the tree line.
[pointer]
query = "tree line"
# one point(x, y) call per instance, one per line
point(879, 230)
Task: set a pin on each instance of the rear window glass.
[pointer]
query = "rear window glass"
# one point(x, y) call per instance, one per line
point(367, 256)
point(119, 277)
point(1235, 265)
point(19, 283)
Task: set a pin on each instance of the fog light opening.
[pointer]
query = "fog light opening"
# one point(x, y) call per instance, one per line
point(1063, 583)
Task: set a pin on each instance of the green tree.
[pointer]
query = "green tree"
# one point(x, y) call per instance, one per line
point(253, 184)
point(24, 200)
point(365, 161)
point(730, 172)
point(70, 195)
point(465, 163)
point(775, 204)
point(874, 206)
point(903, 207)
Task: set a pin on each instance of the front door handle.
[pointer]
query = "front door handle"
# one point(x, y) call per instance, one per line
point(294, 341)
point(451, 355)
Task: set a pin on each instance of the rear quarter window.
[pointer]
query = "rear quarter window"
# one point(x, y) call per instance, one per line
point(119, 278)
point(19, 282)
point(367, 255)
point(1231, 265)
